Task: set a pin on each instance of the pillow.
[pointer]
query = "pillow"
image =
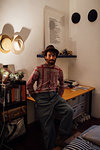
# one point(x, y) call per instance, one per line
point(78, 144)
point(93, 135)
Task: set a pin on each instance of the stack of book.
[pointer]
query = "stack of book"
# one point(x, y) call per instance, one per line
point(14, 92)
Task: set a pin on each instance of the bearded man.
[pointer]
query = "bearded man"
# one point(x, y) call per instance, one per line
point(48, 100)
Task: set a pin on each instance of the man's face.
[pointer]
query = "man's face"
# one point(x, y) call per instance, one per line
point(50, 58)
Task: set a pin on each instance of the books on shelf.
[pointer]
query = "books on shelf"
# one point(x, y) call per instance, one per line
point(23, 92)
point(15, 92)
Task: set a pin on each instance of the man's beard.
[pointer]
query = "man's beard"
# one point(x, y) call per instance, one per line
point(50, 62)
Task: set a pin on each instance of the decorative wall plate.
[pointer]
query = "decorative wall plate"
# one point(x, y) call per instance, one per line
point(92, 15)
point(75, 17)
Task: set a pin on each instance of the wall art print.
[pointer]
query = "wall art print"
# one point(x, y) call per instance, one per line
point(54, 28)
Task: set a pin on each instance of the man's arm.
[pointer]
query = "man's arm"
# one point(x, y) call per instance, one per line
point(61, 83)
point(30, 83)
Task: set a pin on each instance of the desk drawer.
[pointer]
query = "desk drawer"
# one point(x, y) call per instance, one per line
point(74, 101)
point(83, 107)
point(79, 109)
point(76, 110)
point(82, 98)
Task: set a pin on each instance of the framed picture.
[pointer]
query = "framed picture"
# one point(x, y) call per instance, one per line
point(54, 28)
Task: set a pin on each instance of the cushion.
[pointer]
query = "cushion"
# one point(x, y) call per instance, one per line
point(93, 135)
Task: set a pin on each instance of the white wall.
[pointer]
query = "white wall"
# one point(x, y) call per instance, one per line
point(82, 39)
point(28, 14)
point(86, 43)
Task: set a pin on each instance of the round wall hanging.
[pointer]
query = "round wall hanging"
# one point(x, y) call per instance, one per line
point(5, 43)
point(75, 17)
point(92, 15)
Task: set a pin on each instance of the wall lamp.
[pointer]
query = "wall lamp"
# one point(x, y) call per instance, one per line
point(15, 44)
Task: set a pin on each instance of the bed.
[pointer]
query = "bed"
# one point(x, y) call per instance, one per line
point(88, 140)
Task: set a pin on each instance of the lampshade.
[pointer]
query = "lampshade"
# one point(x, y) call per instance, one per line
point(5, 43)
point(17, 44)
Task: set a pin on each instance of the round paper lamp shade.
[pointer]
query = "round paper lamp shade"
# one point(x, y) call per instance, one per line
point(17, 44)
point(5, 43)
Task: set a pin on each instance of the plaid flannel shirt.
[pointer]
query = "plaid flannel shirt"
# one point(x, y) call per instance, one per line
point(48, 79)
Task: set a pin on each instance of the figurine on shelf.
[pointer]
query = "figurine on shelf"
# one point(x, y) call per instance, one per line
point(16, 76)
point(69, 52)
point(60, 52)
point(4, 75)
point(65, 52)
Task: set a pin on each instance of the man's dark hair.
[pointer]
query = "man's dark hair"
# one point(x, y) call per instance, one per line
point(50, 48)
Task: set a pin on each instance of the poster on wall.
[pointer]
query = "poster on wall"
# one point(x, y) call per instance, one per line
point(54, 28)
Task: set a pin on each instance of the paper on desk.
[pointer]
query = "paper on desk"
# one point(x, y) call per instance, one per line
point(80, 87)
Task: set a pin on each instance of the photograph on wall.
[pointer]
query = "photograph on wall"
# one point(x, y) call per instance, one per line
point(54, 28)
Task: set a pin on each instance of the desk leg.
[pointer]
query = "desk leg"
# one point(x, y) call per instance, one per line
point(90, 102)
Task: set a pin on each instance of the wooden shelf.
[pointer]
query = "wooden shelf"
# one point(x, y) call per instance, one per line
point(59, 56)
point(13, 105)
point(15, 95)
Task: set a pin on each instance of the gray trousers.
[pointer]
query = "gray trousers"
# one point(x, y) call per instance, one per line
point(46, 104)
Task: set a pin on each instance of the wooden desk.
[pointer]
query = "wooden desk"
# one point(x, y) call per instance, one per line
point(71, 93)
